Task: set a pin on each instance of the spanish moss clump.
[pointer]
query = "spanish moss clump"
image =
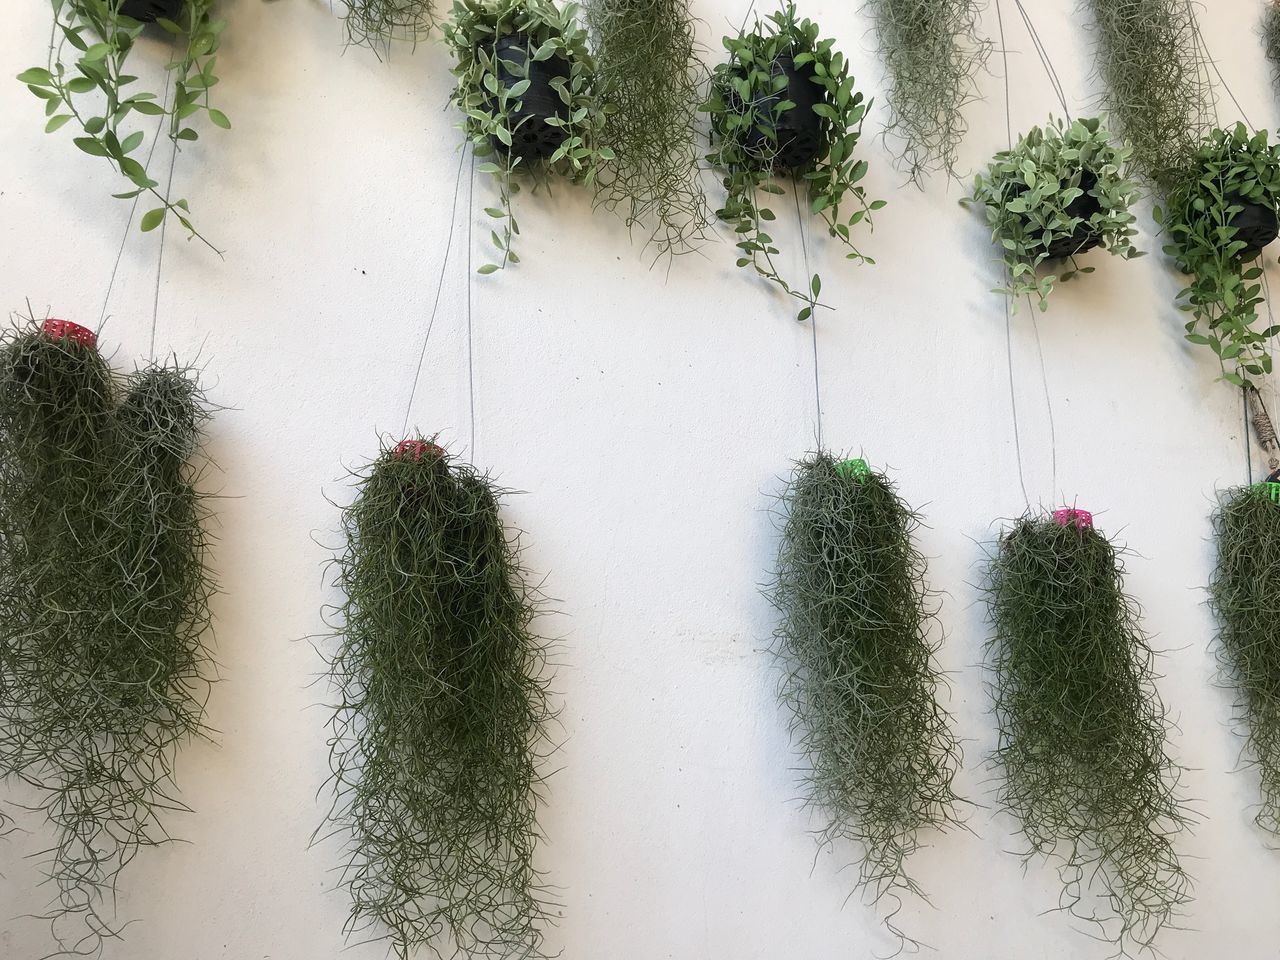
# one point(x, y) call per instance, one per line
point(376, 23)
point(1158, 92)
point(648, 66)
point(1082, 729)
point(931, 51)
point(860, 673)
point(104, 562)
point(1245, 595)
point(441, 716)
point(1271, 37)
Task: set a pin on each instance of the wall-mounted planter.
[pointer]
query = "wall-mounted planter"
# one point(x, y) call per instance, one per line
point(148, 11)
point(793, 137)
point(533, 138)
point(1085, 236)
point(1255, 223)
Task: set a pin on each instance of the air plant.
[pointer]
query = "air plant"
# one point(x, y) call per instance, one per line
point(931, 51)
point(1059, 192)
point(377, 23)
point(1271, 36)
point(1245, 595)
point(441, 716)
point(104, 566)
point(1082, 729)
point(1157, 88)
point(857, 639)
point(648, 68)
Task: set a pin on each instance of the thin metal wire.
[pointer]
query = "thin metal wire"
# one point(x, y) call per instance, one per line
point(813, 319)
point(1048, 398)
point(471, 353)
point(155, 299)
point(1044, 59)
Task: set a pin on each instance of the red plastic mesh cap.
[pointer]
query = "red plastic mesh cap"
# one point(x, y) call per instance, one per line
point(417, 449)
point(1069, 516)
point(66, 330)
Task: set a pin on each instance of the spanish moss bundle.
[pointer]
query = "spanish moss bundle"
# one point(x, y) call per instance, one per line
point(931, 51)
point(1271, 37)
point(1245, 594)
point(860, 679)
point(1158, 91)
point(1082, 729)
point(103, 564)
point(647, 62)
point(376, 23)
point(441, 716)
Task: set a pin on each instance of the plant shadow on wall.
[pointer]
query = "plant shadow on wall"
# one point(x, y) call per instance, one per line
point(1058, 193)
point(86, 83)
point(528, 91)
point(784, 105)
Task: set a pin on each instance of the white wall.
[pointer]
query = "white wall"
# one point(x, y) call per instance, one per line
point(649, 415)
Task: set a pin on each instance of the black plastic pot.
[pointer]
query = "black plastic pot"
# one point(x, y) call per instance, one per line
point(1256, 224)
point(148, 11)
point(1084, 237)
point(532, 138)
point(798, 131)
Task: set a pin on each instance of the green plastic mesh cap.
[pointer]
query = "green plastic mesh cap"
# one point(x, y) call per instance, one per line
point(856, 469)
point(1269, 489)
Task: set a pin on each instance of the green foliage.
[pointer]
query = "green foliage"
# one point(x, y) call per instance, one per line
point(1229, 167)
point(742, 101)
point(103, 567)
point(1245, 596)
point(1158, 91)
point(1030, 193)
point(441, 715)
point(861, 678)
point(1082, 729)
point(376, 23)
point(931, 50)
point(86, 80)
point(647, 58)
point(1271, 36)
point(490, 109)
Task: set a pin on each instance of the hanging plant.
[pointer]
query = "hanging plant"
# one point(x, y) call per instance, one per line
point(528, 90)
point(1158, 91)
point(376, 23)
point(87, 83)
point(861, 679)
point(1218, 218)
point(1245, 595)
point(784, 105)
point(931, 51)
point(647, 59)
point(442, 714)
point(1081, 726)
point(1058, 193)
point(104, 561)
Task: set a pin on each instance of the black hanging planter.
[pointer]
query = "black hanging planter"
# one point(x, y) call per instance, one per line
point(1256, 224)
point(532, 137)
point(1084, 237)
point(799, 130)
point(149, 11)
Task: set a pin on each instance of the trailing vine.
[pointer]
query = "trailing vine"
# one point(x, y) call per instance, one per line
point(86, 82)
point(760, 133)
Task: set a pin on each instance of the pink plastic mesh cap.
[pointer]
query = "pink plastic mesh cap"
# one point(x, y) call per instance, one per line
point(66, 330)
point(1067, 516)
point(417, 448)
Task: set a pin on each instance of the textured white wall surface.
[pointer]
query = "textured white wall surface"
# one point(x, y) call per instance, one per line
point(648, 415)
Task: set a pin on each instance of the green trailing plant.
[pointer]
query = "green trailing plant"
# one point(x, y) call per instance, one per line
point(857, 639)
point(1217, 218)
point(1157, 88)
point(1245, 596)
point(1082, 730)
point(103, 566)
point(527, 87)
point(647, 59)
point(442, 714)
point(1059, 192)
point(1271, 37)
point(87, 83)
point(931, 50)
point(761, 132)
point(376, 23)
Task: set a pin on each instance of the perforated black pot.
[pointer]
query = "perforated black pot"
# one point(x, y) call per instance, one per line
point(148, 11)
point(532, 138)
point(1256, 224)
point(799, 130)
point(1084, 237)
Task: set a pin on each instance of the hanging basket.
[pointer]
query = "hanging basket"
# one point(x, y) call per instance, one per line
point(149, 11)
point(1086, 236)
point(66, 330)
point(532, 137)
point(1256, 224)
point(1071, 517)
point(416, 450)
point(793, 139)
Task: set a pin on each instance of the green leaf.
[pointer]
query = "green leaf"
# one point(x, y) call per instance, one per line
point(57, 122)
point(91, 146)
point(36, 77)
point(152, 219)
point(219, 119)
point(487, 268)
